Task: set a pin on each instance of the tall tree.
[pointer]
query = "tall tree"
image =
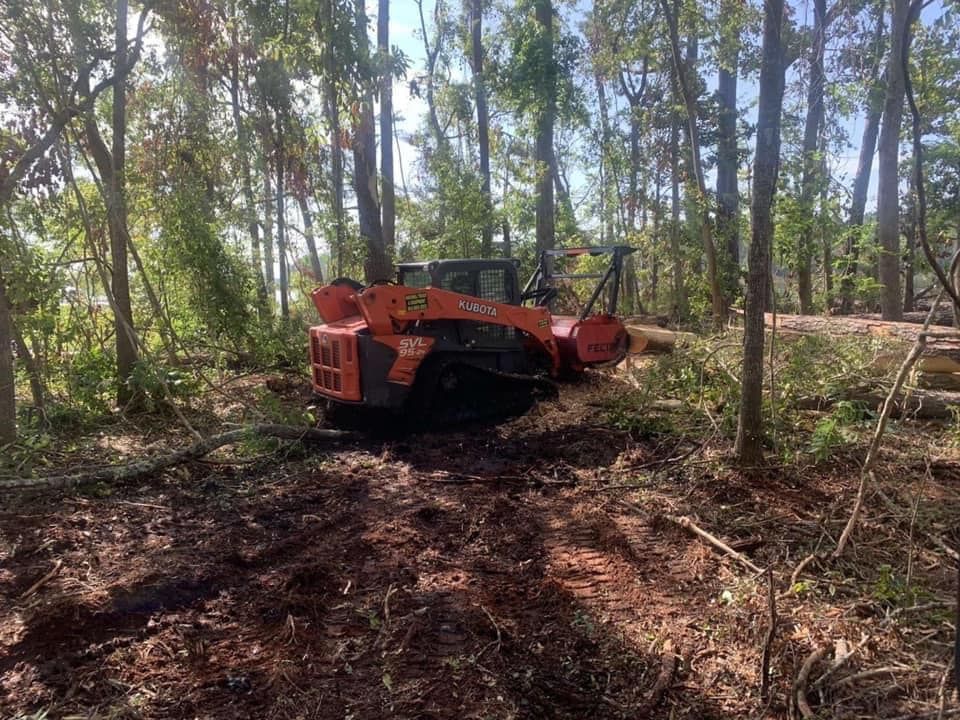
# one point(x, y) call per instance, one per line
point(244, 152)
point(377, 264)
point(861, 179)
point(766, 167)
point(388, 199)
point(812, 129)
point(270, 276)
point(546, 115)
point(483, 121)
point(326, 23)
point(676, 252)
point(8, 403)
point(117, 215)
point(888, 173)
point(684, 77)
point(728, 195)
point(281, 152)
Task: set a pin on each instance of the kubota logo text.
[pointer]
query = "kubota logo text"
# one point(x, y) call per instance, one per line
point(478, 308)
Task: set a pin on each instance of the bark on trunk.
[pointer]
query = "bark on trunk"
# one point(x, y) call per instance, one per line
point(718, 304)
point(888, 190)
point(810, 177)
point(331, 99)
point(606, 206)
point(377, 263)
point(117, 211)
point(246, 182)
point(431, 52)
point(544, 147)
point(310, 236)
point(749, 443)
point(8, 404)
point(909, 255)
point(37, 390)
point(282, 221)
point(728, 196)
point(858, 204)
point(388, 196)
point(679, 289)
point(483, 123)
point(268, 264)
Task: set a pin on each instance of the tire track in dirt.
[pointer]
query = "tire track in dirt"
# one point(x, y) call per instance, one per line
point(615, 566)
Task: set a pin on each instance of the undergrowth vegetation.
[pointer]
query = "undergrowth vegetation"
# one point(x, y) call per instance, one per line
point(695, 392)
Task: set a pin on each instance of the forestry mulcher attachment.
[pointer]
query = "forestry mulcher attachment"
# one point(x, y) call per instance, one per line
point(457, 340)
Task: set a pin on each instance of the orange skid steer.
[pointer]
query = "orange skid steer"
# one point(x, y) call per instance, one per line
point(458, 340)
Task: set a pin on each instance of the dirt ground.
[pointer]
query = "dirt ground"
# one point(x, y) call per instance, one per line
point(525, 570)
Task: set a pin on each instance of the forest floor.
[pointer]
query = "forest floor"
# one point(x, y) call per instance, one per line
point(529, 569)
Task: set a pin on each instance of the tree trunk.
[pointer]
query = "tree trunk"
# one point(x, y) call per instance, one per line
point(728, 195)
point(632, 191)
point(810, 176)
point(909, 255)
point(858, 203)
point(483, 122)
point(655, 261)
point(606, 209)
point(377, 264)
point(431, 52)
point(269, 268)
point(388, 197)
point(37, 389)
point(243, 146)
point(861, 181)
point(719, 307)
point(310, 236)
point(826, 236)
point(679, 290)
point(766, 166)
point(117, 211)
point(331, 98)
point(545, 119)
point(8, 402)
point(888, 188)
point(282, 219)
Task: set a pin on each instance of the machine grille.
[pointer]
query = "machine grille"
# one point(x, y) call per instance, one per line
point(333, 355)
point(327, 351)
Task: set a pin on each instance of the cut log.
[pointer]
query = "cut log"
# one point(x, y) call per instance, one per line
point(944, 344)
point(942, 318)
point(939, 381)
point(918, 404)
point(650, 339)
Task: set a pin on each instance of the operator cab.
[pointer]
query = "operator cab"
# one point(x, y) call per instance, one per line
point(495, 279)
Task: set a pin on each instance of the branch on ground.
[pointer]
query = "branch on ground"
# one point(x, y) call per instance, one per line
point(150, 465)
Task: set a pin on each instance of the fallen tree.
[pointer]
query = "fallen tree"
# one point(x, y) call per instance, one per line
point(942, 318)
point(919, 404)
point(155, 463)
